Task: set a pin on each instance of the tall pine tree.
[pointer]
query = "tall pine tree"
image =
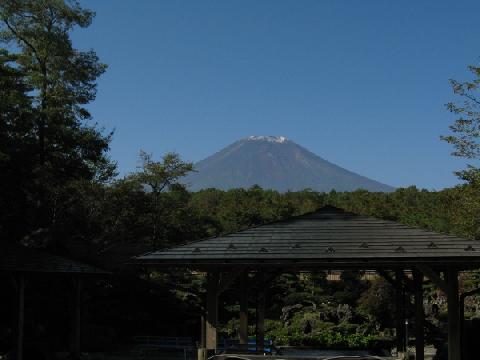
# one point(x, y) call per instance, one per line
point(58, 81)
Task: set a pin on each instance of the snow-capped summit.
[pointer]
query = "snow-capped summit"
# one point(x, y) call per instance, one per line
point(277, 139)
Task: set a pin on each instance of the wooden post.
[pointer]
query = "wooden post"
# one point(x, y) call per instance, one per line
point(399, 320)
point(212, 311)
point(419, 315)
point(461, 315)
point(20, 315)
point(77, 318)
point(454, 348)
point(261, 315)
point(202, 332)
point(243, 331)
point(201, 353)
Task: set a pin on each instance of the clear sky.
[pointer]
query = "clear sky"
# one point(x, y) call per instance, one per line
point(360, 83)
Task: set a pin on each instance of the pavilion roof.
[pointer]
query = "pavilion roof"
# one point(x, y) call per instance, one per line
point(17, 258)
point(329, 238)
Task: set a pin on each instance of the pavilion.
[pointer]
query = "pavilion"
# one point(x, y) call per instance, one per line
point(328, 239)
point(22, 264)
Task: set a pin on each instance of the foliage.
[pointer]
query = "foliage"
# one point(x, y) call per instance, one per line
point(160, 175)
point(157, 176)
point(17, 145)
point(47, 144)
point(62, 80)
point(466, 128)
point(323, 335)
point(376, 303)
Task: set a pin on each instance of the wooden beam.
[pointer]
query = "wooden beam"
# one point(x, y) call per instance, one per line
point(20, 315)
point(261, 315)
point(243, 331)
point(454, 343)
point(212, 311)
point(433, 276)
point(419, 315)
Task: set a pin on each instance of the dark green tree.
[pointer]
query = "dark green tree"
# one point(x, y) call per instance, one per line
point(376, 303)
point(17, 145)
point(59, 81)
point(157, 176)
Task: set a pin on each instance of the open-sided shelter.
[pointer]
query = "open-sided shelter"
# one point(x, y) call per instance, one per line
point(327, 239)
point(22, 263)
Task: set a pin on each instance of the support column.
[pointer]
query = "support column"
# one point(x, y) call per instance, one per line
point(212, 311)
point(454, 348)
point(202, 332)
point(77, 318)
point(243, 331)
point(201, 352)
point(399, 318)
point(419, 315)
point(261, 314)
point(20, 315)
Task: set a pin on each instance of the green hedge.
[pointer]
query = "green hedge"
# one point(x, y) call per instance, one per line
point(323, 335)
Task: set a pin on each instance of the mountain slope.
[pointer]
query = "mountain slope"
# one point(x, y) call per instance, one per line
point(275, 163)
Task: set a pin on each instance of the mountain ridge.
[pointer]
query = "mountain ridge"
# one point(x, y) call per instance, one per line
point(278, 163)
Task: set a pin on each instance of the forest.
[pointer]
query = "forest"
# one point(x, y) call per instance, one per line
point(60, 192)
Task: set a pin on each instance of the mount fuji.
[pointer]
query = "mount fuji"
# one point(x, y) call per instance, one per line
point(275, 162)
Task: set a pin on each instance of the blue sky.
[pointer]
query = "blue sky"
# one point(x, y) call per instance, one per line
point(360, 83)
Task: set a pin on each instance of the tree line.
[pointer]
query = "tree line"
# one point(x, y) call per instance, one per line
point(59, 183)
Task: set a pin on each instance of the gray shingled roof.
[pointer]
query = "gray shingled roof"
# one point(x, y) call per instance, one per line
point(17, 258)
point(326, 238)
